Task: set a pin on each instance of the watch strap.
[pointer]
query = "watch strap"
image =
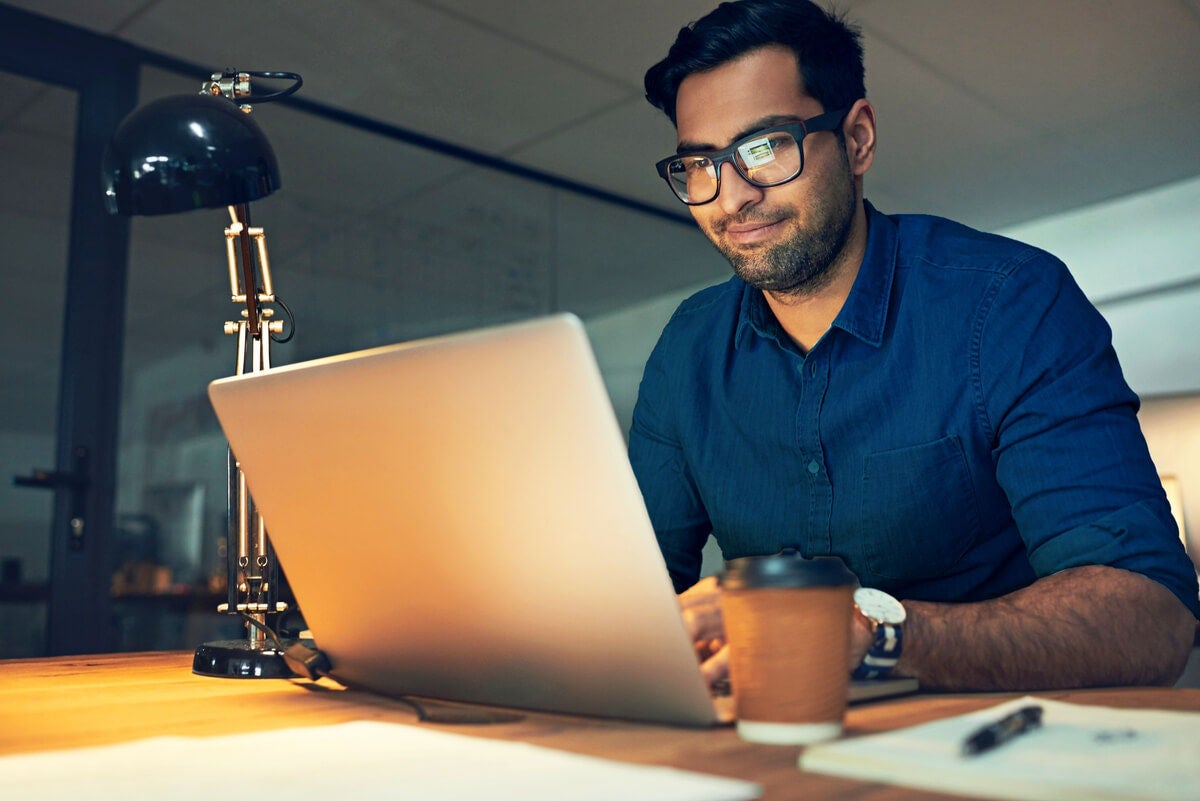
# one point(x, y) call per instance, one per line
point(883, 654)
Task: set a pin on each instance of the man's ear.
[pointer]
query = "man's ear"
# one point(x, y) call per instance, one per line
point(859, 129)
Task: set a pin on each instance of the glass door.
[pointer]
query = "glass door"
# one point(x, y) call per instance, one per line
point(37, 143)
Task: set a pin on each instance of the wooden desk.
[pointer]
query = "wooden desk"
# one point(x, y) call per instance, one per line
point(69, 702)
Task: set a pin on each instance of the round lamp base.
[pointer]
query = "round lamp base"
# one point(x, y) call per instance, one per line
point(237, 659)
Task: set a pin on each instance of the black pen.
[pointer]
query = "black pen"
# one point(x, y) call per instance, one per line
point(996, 734)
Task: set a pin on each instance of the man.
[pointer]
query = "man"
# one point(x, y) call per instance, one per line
point(939, 407)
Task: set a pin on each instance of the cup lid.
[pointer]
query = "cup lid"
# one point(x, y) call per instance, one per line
point(788, 568)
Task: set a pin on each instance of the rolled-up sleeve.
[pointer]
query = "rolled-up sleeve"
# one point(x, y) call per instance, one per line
point(1069, 451)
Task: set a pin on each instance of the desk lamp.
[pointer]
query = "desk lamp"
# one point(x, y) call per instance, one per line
point(198, 151)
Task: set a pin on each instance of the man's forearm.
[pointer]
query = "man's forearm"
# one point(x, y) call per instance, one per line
point(1084, 627)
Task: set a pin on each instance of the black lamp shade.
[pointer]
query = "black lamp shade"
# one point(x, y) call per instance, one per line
point(187, 152)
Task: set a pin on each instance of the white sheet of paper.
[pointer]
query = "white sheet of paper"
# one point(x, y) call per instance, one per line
point(1090, 753)
point(361, 760)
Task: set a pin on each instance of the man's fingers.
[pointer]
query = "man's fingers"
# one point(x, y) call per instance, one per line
point(701, 608)
point(706, 648)
point(715, 669)
point(704, 624)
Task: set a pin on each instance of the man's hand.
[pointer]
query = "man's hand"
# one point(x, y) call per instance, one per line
point(701, 607)
point(861, 637)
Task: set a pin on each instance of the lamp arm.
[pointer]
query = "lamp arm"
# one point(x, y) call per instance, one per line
point(253, 569)
point(245, 285)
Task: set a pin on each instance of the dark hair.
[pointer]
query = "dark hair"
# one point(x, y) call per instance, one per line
point(828, 49)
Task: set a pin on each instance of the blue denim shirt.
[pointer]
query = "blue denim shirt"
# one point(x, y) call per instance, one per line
point(962, 428)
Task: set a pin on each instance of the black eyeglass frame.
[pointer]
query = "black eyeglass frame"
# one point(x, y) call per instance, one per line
point(829, 121)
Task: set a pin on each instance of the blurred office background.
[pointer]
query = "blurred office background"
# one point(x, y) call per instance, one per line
point(455, 163)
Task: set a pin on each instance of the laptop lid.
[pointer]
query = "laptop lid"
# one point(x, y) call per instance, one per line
point(458, 519)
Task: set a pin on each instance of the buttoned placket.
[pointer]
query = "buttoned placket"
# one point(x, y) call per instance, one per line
point(813, 370)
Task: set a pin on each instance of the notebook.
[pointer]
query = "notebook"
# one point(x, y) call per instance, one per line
point(459, 520)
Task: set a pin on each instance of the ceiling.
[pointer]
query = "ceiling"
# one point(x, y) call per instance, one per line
point(993, 113)
point(990, 112)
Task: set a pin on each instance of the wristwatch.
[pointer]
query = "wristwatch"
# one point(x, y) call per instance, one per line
point(885, 615)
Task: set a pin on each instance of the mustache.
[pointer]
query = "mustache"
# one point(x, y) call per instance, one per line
point(753, 217)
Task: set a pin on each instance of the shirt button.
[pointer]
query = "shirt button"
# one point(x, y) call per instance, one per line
point(814, 467)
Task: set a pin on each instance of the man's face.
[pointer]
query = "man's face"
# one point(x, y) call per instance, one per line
point(782, 238)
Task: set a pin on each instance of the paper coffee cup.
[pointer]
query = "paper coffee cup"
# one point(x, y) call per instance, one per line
point(787, 622)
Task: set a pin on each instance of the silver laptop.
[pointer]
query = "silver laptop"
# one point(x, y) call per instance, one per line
point(458, 519)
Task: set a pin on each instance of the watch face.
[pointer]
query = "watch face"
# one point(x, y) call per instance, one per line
point(879, 606)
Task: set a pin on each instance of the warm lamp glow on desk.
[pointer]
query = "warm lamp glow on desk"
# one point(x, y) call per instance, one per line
point(204, 150)
point(52, 706)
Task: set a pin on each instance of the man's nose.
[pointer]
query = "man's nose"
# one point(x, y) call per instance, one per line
point(736, 192)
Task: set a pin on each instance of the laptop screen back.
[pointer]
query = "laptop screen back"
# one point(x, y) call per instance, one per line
point(458, 519)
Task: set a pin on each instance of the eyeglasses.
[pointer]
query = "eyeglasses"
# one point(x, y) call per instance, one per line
point(765, 158)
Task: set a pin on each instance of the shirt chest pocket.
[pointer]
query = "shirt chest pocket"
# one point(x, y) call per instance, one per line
point(919, 513)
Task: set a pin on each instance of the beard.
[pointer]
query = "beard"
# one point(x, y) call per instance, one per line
point(802, 263)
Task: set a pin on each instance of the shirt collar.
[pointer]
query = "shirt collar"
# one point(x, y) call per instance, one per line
point(863, 315)
point(755, 316)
